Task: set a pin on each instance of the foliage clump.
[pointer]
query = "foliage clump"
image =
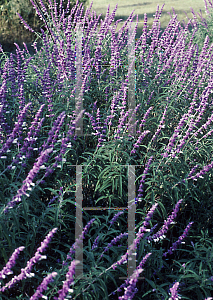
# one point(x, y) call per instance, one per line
point(161, 143)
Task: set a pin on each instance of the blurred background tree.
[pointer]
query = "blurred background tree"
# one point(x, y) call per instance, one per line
point(13, 31)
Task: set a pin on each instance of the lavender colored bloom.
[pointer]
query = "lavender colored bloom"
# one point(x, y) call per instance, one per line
point(175, 135)
point(16, 130)
point(95, 245)
point(28, 181)
point(114, 241)
point(160, 125)
point(43, 286)
point(28, 142)
point(179, 241)
point(25, 24)
point(26, 271)
point(141, 137)
point(140, 234)
point(85, 230)
point(192, 171)
point(52, 200)
point(142, 181)
point(203, 171)
point(53, 133)
point(7, 269)
point(131, 282)
point(173, 291)
point(162, 232)
point(69, 280)
point(115, 217)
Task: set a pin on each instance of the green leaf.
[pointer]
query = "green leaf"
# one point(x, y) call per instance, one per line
point(151, 283)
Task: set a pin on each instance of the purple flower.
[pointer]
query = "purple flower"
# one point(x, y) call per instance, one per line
point(179, 241)
point(143, 179)
point(85, 230)
point(114, 241)
point(141, 137)
point(43, 286)
point(28, 181)
point(162, 232)
point(31, 138)
point(175, 135)
point(202, 172)
point(52, 200)
point(140, 234)
point(173, 291)
point(53, 133)
point(95, 245)
point(26, 271)
point(160, 125)
point(7, 269)
point(69, 280)
point(115, 217)
point(16, 130)
point(131, 282)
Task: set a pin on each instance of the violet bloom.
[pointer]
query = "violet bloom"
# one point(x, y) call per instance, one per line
point(43, 286)
point(179, 241)
point(114, 241)
point(141, 137)
point(173, 291)
point(161, 233)
point(175, 135)
point(95, 244)
point(131, 282)
point(85, 230)
point(7, 269)
point(202, 172)
point(115, 217)
point(160, 125)
point(31, 138)
point(16, 129)
point(53, 133)
point(140, 234)
point(26, 271)
point(142, 181)
point(69, 280)
point(52, 200)
point(28, 181)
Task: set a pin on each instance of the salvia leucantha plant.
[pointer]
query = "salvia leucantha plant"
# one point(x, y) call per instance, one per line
point(171, 151)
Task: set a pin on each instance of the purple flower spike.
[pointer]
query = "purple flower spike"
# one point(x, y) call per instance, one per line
point(161, 233)
point(43, 286)
point(17, 129)
point(7, 269)
point(140, 234)
point(95, 245)
point(66, 286)
point(143, 179)
point(179, 241)
point(75, 245)
point(114, 241)
point(28, 181)
point(115, 217)
point(26, 271)
point(141, 137)
point(173, 291)
point(131, 282)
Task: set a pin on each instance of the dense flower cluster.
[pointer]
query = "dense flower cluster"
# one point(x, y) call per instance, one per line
point(54, 133)
point(26, 271)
